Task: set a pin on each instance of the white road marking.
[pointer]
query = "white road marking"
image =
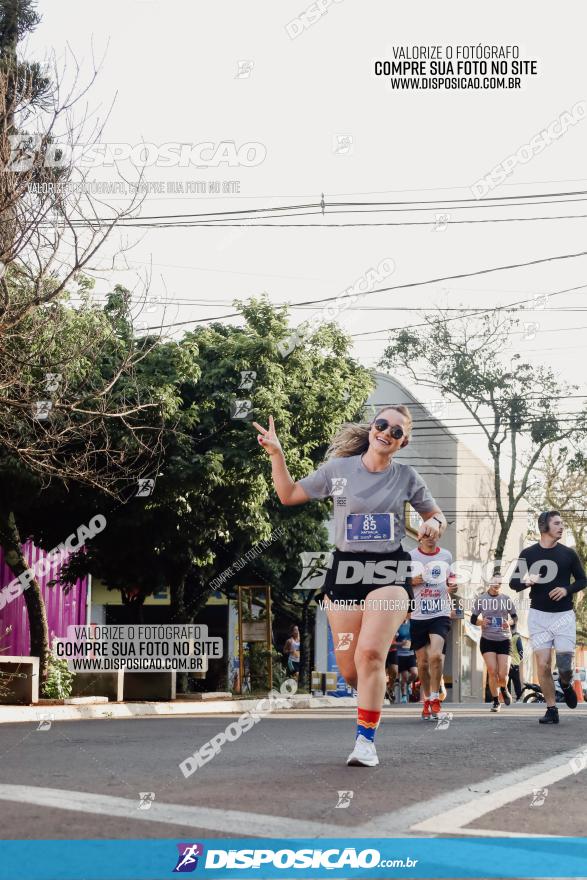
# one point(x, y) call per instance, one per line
point(453, 821)
point(445, 814)
point(230, 822)
point(449, 813)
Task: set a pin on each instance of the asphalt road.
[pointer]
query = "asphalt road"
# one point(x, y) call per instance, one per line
point(478, 773)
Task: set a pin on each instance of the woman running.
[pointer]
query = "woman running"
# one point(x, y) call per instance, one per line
point(366, 588)
point(495, 608)
point(407, 664)
point(292, 649)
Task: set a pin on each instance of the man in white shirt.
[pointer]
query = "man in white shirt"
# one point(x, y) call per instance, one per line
point(431, 617)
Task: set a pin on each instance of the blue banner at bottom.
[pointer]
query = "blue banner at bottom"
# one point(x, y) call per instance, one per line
point(520, 857)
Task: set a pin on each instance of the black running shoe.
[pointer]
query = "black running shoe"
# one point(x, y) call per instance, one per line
point(550, 716)
point(570, 696)
point(507, 697)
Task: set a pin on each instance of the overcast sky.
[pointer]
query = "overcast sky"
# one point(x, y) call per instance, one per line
point(172, 67)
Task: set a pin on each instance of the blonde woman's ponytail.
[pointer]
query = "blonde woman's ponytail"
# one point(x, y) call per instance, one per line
point(351, 439)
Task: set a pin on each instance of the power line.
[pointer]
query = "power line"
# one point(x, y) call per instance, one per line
point(471, 200)
point(549, 198)
point(529, 394)
point(412, 284)
point(211, 304)
point(443, 320)
point(428, 428)
point(500, 308)
point(323, 225)
point(424, 423)
point(514, 332)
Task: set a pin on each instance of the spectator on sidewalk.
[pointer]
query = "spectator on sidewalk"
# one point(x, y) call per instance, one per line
point(517, 655)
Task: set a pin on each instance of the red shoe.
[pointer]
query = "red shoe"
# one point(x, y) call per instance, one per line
point(426, 713)
point(435, 708)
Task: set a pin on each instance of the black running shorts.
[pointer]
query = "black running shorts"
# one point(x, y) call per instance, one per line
point(422, 629)
point(406, 662)
point(391, 659)
point(346, 582)
point(495, 647)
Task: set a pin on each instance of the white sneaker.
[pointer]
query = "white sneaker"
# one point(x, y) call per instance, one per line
point(363, 754)
point(496, 707)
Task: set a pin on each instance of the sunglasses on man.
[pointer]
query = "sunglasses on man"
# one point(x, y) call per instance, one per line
point(397, 432)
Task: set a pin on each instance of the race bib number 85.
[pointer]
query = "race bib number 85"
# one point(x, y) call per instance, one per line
point(369, 527)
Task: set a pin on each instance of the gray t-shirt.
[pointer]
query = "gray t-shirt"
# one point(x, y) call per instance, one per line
point(496, 609)
point(369, 511)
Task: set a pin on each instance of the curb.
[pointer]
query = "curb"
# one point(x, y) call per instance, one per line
point(20, 714)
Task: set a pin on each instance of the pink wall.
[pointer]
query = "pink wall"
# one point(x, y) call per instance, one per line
point(62, 610)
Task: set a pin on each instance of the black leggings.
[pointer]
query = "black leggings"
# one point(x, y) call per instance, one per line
point(515, 679)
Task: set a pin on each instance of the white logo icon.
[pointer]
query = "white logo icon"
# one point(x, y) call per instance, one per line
point(540, 300)
point(441, 222)
point(52, 381)
point(154, 301)
point(436, 407)
point(41, 409)
point(247, 379)
point(314, 568)
point(244, 69)
point(539, 795)
point(344, 641)
point(342, 144)
point(45, 720)
point(146, 487)
point(344, 799)
point(241, 409)
point(444, 720)
point(338, 484)
point(530, 328)
point(146, 799)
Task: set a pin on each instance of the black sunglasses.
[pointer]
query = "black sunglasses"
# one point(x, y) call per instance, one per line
point(397, 432)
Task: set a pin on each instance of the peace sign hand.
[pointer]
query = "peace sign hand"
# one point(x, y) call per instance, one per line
point(268, 438)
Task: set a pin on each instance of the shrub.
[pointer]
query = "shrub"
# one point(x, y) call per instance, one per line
point(59, 681)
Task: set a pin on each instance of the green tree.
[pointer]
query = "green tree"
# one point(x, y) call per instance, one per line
point(103, 429)
point(213, 498)
point(309, 393)
point(517, 405)
point(24, 89)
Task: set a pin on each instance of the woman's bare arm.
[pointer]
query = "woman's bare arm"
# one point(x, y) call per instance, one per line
point(288, 491)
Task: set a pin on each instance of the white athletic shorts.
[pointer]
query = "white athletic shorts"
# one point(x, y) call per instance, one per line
point(552, 629)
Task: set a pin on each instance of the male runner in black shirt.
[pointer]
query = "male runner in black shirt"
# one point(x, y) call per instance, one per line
point(547, 568)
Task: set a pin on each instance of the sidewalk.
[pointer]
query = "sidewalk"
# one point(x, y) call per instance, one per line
point(13, 714)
